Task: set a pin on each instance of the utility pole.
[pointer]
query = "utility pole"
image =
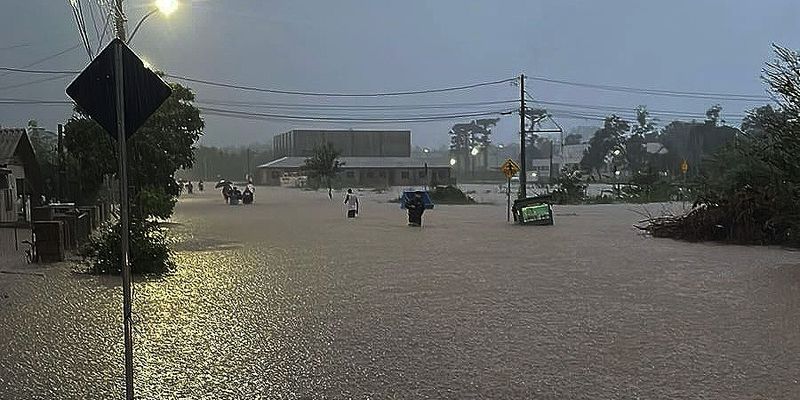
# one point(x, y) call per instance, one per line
point(523, 173)
point(60, 159)
point(119, 23)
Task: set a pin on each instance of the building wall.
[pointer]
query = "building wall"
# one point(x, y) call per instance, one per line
point(300, 143)
point(8, 197)
point(368, 177)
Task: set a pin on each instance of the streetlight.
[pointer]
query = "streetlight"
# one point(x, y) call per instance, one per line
point(165, 7)
point(452, 161)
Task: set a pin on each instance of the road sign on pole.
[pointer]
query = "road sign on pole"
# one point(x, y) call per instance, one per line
point(118, 92)
point(510, 168)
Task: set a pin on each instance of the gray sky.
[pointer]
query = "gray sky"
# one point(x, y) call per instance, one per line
point(372, 46)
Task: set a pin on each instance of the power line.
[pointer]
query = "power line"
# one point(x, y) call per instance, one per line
point(425, 118)
point(18, 85)
point(307, 106)
point(322, 94)
point(39, 71)
point(657, 92)
point(41, 60)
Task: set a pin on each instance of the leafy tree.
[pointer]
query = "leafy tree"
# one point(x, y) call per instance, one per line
point(750, 189)
point(324, 165)
point(713, 115)
point(607, 141)
point(163, 145)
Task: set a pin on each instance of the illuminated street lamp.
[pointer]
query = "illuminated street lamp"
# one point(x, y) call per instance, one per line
point(452, 161)
point(165, 7)
point(475, 151)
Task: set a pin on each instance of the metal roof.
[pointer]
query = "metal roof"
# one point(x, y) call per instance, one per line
point(359, 162)
point(9, 140)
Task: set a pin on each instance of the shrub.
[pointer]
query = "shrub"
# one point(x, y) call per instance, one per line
point(450, 195)
point(149, 253)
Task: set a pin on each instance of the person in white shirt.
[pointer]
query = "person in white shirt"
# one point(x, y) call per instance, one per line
point(351, 201)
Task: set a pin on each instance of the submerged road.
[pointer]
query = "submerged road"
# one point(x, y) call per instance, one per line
point(286, 299)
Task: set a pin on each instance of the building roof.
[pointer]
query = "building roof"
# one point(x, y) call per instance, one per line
point(9, 140)
point(358, 162)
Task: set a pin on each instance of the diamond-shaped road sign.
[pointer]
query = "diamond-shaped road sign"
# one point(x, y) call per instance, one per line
point(510, 168)
point(95, 91)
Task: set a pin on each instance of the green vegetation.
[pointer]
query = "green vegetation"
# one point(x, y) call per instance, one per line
point(450, 195)
point(322, 167)
point(750, 190)
point(162, 146)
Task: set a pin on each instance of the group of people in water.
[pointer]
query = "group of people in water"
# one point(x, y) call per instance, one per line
point(415, 204)
point(233, 196)
point(188, 187)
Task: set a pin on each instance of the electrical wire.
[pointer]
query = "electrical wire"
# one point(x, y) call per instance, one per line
point(656, 92)
point(19, 85)
point(38, 71)
point(41, 60)
point(285, 117)
point(307, 106)
point(322, 94)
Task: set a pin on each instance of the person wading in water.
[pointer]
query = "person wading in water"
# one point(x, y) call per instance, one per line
point(351, 201)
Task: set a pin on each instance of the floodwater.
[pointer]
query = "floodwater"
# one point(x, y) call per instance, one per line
point(286, 299)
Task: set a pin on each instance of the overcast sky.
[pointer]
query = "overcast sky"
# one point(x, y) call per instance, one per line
point(375, 46)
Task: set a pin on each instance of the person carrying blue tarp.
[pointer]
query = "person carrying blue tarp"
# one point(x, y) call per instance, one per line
point(416, 207)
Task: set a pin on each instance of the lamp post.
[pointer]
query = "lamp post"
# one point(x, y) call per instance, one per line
point(165, 7)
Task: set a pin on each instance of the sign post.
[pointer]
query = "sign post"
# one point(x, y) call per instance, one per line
point(120, 93)
point(509, 168)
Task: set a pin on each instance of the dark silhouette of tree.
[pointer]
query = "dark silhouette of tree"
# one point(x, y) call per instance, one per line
point(324, 165)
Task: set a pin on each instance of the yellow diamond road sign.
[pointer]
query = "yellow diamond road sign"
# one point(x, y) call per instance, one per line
point(510, 168)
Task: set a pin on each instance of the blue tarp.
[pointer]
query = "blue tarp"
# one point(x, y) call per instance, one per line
point(408, 195)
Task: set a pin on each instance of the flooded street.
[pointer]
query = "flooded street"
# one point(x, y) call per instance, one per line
point(286, 299)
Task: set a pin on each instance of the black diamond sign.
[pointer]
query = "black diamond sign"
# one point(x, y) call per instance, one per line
point(95, 90)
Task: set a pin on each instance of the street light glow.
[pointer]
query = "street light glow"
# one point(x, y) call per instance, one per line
point(452, 161)
point(475, 151)
point(167, 7)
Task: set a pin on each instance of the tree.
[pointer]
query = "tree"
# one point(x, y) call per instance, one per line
point(324, 165)
point(483, 128)
point(750, 189)
point(606, 146)
point(163, 145)
point(713, 115)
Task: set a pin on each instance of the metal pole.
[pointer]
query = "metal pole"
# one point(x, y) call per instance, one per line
point(523, 176)
point(123, 194)
point(508, 201)
point(60, 151)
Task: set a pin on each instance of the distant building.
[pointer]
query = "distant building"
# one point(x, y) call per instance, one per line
point(374, 158)
point(19, 170)
point(364, 171)
point(351, 143)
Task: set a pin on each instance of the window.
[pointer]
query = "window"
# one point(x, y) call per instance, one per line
point(404, 175)
point(442, 175)
point(370, 174)
point(351, 174)
point(421, 174)
point(382, 174)
point(276, 175)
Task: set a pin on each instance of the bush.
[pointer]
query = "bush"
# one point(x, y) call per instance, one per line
point(570, 187)
point(450, 195)
point(149, 253)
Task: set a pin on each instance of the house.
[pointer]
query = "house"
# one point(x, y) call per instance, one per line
point(364, 171)
point(18, 160)
point(376, 158)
